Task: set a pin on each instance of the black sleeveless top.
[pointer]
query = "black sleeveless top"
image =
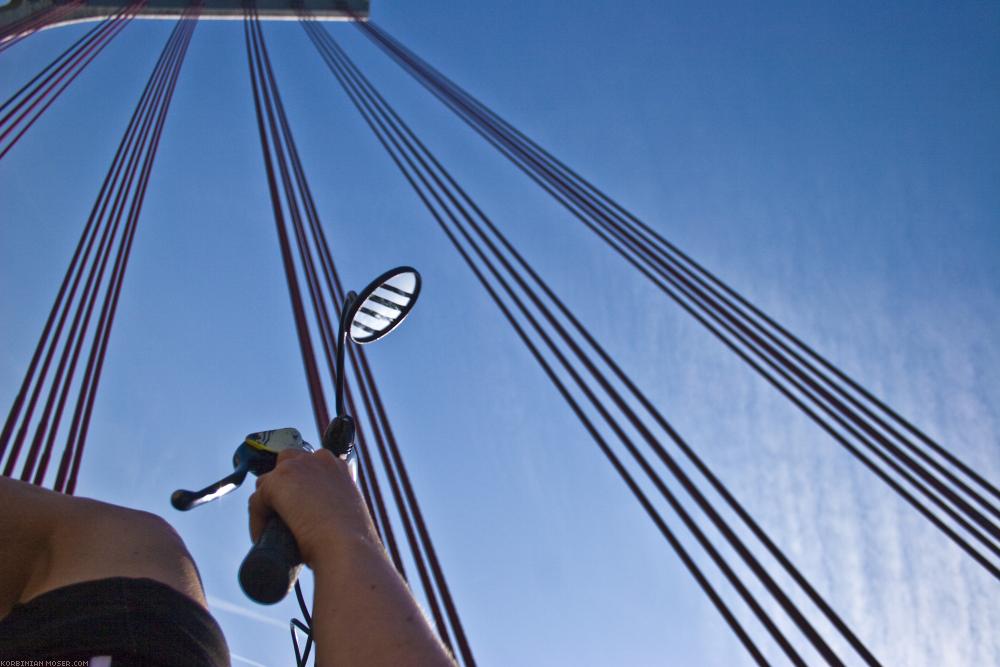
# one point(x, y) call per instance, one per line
point(116, 622)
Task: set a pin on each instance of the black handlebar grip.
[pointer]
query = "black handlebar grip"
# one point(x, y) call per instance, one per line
point(272, 565)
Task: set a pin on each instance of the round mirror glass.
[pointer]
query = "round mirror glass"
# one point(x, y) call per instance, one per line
point(383, 304)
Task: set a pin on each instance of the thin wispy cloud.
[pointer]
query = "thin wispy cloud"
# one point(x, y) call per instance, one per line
point(232, 608)
point(246, 661)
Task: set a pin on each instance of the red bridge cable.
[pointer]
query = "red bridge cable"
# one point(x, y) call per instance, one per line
point(187, 25)
point(337, 295)
point(647, 506)
point(55, 63)
point(71, 67)
point(308, 268)
point(52, 74)
point(978, 518)
point(81, 322)
point(327, 326)
point(408, 59)
point(31, 24)
point(115, 186)
point(633, 418)
point(665, 492)
point(755, 528)
point(429, 590)
point(933, 497)
point(305, 344)
point(252, 60)
point(435, 566)
point(366, 483)
point(365, 106)
point(96, 222)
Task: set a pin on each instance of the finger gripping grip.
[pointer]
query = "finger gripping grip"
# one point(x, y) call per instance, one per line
point(272, 565)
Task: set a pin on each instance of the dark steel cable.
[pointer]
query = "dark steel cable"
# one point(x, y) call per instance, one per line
point(87, 390)
point(368, 483)
point(368, 480)
point(964, 545)
point(121, 198)
point(978, 518)
point(305, 344)
point(973, 514)
point(71, 280)
point(72, 68)
point(779, 595)
point(438, 575)
point(31, 24)
point(825, 399)
point(309, 267)
point(675, 504)
point(408, 60)
point(337, 296)
point(336, 290)
point(185, 29)
point(250, 27)
point(717, 485)
point(616, 463)
point(257, 55)
point(112, 188)
point(622, 471)
point(52, 74)
point(324, 323)
point(435, 566)
point(56, 62)
point(390, 151)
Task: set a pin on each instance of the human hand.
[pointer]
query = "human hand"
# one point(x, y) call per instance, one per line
point(315, 496)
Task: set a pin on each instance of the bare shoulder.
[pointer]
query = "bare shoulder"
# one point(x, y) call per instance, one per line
point(53, 540)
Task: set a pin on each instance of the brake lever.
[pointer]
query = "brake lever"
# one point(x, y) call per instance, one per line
point(257, 454)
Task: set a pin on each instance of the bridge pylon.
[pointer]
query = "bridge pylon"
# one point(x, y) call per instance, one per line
point(81, 11)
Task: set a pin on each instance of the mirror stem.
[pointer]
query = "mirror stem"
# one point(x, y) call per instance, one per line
point(341, 344)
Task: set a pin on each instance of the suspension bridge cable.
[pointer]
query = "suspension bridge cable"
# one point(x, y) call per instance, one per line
point(84, 411)
point(306, 25)
point(366, 469)
point(27, 26)
point(615, 398)
point(72, 279)
point(539, 165)
point(819, 643)
point(72, 453)
point(46, 86)
point(327, 331)
point(689, 453)
point(302, 213)
point(620, 468)
point(802, 406)
point(57, 62)
point(135, 154)
point(909, 498)
point(113, 176)
point(408, 58)
point(392, 460)
point(282, 142)
point(124, 191)
point(262, 100)
point(320, 411)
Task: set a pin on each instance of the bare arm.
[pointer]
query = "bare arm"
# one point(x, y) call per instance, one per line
point(363, 613)
point(49, 540)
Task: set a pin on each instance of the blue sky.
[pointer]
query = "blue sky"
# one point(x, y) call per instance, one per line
point(837, 164)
